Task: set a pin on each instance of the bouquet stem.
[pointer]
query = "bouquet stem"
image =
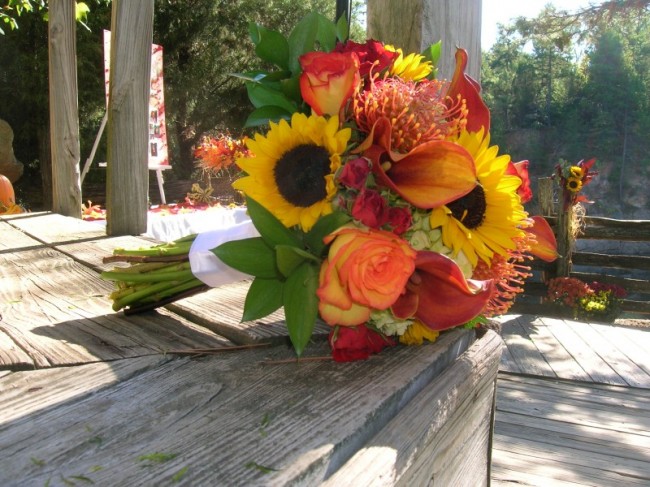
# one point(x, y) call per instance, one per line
point(157, 276)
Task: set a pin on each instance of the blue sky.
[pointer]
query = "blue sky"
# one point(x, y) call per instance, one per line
point(502, 11)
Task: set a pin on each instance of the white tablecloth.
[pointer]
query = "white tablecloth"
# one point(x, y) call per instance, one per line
point(170, 227)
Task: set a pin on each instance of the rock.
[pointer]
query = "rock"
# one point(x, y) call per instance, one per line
point(9, 165)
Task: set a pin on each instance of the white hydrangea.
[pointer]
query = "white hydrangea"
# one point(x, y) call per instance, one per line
point(386, 323)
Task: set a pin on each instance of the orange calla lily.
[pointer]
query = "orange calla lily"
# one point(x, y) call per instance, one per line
point(439, 295)
point(468, 89)
point(545, 247)
point(431, 175)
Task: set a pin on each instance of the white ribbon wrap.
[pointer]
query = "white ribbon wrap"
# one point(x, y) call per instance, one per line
point(206, 266)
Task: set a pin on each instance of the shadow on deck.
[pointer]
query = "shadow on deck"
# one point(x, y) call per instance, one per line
point(573, 404)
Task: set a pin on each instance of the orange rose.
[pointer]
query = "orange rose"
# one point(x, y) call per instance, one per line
point(365, 269)
point(328, 80)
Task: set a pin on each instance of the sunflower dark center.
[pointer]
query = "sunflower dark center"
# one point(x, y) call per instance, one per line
point(300, 174)
point(470, 209)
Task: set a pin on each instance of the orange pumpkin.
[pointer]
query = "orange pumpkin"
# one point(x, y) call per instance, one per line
point(7, 195)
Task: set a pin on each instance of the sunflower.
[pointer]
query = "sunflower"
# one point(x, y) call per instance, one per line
point(413, 67)
point(292, 169)
point(574, 184)
point(487, 220)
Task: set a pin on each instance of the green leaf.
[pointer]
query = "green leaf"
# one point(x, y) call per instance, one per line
point(264, 115)
point(261, 468)
point(271, 229)
point(432, 53)
point(323, 227)
point(157, 457)
point(270, 46)
point(250, 255)
point(288, 258)
point(326, 35)
point(291, 89)
point(263, 298)
point(261, 95)
point(302, 39)
point(342, 29)
point(179, 475)
point(301, 304)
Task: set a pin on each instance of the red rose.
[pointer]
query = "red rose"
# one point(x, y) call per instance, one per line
point(373, 57)
point(399, 218)
point(350, 343)
point(328, 80)
point(370, 208)
point(355, 173)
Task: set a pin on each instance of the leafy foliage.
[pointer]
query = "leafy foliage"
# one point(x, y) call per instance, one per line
point(572, 87)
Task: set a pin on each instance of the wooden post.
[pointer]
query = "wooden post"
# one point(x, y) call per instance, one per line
point(564, 241)
point(414, 25)
point(545, 195)
point(64, 108)
point(127, 183)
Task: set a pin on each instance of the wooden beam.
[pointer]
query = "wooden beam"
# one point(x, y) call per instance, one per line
point(414, 25)
point(64, 108)
point(127, 184)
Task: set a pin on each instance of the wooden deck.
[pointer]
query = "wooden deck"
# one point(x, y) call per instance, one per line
point(573, 404)
point(190, 396)
point(89, 395)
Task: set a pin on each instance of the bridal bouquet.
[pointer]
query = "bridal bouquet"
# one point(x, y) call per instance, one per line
point(378, 203)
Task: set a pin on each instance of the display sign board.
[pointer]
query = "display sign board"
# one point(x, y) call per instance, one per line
point(158, 155)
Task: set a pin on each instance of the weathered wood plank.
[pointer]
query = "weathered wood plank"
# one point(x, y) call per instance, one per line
point(55, 228)
point(508, 363)
point(456, 430)
point(625, 397)
point(532, 468)
point(590, 361)
point(224, 420)
point(611, 229)
point(548, 432)
point(555, 406)
point(633, 342)
point(57, 311)
point(523, 349)
point(630, 372)
point(13, 239)
point(638, 262)
point(11, 353)
point(559, 359)
point(220, 310)
point(605, 467)
point(30, 392)
point(616, 451)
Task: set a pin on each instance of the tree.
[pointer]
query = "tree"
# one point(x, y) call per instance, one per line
point(205, 42)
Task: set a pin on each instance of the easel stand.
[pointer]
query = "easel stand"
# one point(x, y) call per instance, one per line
point(159, 169)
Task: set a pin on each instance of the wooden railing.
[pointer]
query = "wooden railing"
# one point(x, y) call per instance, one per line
point(632, 272)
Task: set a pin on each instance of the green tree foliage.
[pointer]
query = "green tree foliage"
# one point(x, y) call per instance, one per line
point(569, 87)
point(205, 42)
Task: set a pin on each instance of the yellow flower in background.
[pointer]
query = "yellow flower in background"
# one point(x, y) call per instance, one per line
point(576, 172)
point(486, 220)
point(292, 171)
point(574, 184)
point(417, 333)
point(411, 67)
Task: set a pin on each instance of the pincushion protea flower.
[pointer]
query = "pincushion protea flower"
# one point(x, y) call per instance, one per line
point(509, 275)
point(418, 112)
